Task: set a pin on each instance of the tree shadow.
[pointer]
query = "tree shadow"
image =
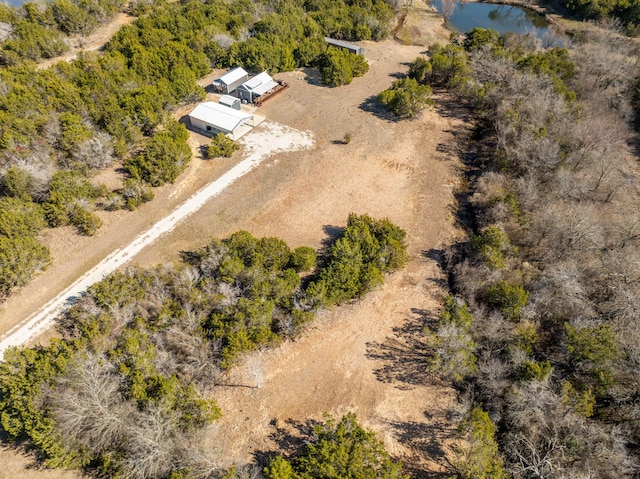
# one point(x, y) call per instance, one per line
point(405, 356)
point(192, 258)
point(426, 440)
point(35, 458)
point(450, 106)
point(440, 256)
point(312, 75)
point(333, 233)
point(456, 147)
point(203, 150)
point(289, 438)
point(372, 105)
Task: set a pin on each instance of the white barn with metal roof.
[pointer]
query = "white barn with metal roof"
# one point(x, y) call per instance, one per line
point(231, 80)
point(211, 117)
point(256, 86)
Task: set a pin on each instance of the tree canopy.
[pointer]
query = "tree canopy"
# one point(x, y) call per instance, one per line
point(340, 450)
point(130, 386)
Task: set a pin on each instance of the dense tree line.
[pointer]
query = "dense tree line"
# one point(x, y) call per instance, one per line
point(627, 12)
point(37, 30)
point(543, 332)
point(128, 389)
point(59, 126)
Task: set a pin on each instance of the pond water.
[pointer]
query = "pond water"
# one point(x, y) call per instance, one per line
point(13, 3)
point(463, 16)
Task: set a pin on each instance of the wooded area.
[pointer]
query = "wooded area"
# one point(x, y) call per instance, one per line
point(61, 125)
point(126, 391)
point(543, 332)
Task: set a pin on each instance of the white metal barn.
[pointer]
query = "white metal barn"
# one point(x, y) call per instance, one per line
point(211, 117)
point(231, 80)
point(230, 101)
point(255, 87)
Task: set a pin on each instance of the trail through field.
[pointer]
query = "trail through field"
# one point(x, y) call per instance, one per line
point(266, 140)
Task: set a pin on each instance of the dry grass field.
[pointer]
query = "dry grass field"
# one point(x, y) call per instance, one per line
point(363, 357)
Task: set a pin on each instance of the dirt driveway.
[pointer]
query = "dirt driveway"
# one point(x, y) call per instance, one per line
point(361, 357)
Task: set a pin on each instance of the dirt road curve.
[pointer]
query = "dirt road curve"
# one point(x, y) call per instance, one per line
point(267, 139)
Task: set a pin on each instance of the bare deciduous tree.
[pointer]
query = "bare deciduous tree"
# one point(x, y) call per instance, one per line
point(88, 407)
point(96, 152)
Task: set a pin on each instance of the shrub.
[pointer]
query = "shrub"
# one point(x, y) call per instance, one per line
point(67, 189)
point(135, 192)
point(583, 402)
point(166, 156)
point(357, 261)
point(419, 69)
point(20, 257)
point(222, 146)
point(340, 450)
point(593, 351)
point(18, 183)
point(86, 221)
point(406, 98)
point(508, 298)
point(303, 258)
point(449, 65)
point(339, 67)
point(480, 459)
point(20, 218)
point(534, 370)
point(452, 344)
point(477, 37)
point(492, 245)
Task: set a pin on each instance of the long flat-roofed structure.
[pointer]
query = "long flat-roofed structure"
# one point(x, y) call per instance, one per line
point(352, 47)
point(211, 117)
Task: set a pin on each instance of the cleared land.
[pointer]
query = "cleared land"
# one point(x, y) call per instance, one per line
point(360, 357)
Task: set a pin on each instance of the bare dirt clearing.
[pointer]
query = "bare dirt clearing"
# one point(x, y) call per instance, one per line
point(361, 357)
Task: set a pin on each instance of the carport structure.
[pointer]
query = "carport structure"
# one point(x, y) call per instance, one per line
point(211, 117)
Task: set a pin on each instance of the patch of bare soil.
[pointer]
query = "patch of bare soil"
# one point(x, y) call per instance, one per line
point(364, 357)
point(421, 24)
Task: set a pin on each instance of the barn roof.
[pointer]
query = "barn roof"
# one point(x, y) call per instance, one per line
point(260, 83)
point(233, 76)
point(219, 116)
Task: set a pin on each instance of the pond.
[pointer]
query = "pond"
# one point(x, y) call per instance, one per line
point(13, 3)
point(463, 16)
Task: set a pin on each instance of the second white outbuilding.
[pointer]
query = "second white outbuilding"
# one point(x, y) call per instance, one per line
point(255, 87)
